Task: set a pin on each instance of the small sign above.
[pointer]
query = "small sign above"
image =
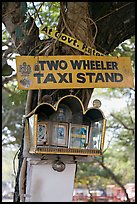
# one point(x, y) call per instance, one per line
point(72, 42)
point(72, 71)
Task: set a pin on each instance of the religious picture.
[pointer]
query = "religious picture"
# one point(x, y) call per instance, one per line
point(78, 137)
point(42, 134)
point(60, 134)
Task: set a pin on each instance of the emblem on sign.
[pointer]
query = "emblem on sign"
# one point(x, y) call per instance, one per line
point(26, 82)
point(25, 71)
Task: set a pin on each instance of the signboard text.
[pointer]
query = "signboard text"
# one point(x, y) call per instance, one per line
point(68, 72)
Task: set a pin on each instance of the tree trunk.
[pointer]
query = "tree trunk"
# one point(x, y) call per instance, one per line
point(75, 22)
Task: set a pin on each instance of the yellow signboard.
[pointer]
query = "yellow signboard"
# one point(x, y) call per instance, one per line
point(72, 71)
point(77, 44)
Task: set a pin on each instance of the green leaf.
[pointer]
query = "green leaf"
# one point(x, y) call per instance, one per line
point(7, 70)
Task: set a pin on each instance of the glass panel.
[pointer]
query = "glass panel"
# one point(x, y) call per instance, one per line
point(78, 136)
point(62, 115)
point(31, 129)
point(95, 134)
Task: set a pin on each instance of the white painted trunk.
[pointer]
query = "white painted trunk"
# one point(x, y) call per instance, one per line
point(47, 185)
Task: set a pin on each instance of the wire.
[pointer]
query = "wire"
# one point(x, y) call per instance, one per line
point(112, 12)
point(14, 161)
point(37, 12)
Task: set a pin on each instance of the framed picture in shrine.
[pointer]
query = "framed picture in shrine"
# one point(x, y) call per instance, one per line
point(78, 136)
point(59, 134)
point(42, 133)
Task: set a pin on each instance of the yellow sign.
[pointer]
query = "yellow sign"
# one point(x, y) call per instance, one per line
point(72, 71)
point(77, 44)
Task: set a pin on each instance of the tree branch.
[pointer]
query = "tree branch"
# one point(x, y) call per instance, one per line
point(113, 176)
point(5, 80)
point(4, 123)
point(115, 22)
point(6, 119)
point(109, 142)
point(121, 122)
point(24, 34)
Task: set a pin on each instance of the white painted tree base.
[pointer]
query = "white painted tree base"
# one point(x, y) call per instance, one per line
point(47, 185)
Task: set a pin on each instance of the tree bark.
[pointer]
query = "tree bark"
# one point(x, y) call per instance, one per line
point(75, 22)
point(25, 34)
